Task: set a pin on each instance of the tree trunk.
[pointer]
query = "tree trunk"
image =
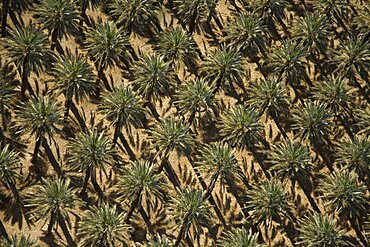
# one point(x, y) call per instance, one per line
point(54, 163)
point(102, 77)
point(51, 223)
point(67, 104)
point(179, 236)
point(4, 17)
point(211, 186)
point(37, 148)
point(358, 232)
point(95, 183)
point(134, 205)
point(309, 197)
point(130, 153)
point(152, 109)
point(86, 180)
point(24, 80)
point(66, 233)
point(281, 129)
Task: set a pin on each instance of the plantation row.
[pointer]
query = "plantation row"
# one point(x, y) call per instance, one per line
point(184, 123)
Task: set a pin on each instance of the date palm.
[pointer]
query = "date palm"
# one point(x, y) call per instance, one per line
point(89, 152)
point(217, 160)
point(343, 194)
point(195, 98)
point(320, 230)
point(247, 34)
point(224, 67)
point(72, 76)
point(104, 226)
point(19, 240)
point(154, 78)
point(354, 155)
point(53, 201)
point(139, 184)
point(194, 12)
point(240, 127)
point(159, 241)
point(7, 92)
point(27, 48)
point(270, 97)
point(123, 108)
point(190, 211)
point(312, 31)
point(9, 164)
point(59, 18)
point(177, 46)
point(138, 16)
point(268, 202)
point(363, 117)
point(107, 46)
point(238, 238)
point(39, 117)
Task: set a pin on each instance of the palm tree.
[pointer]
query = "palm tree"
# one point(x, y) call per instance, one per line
point(73, 76)
point(268, 202)
point(334, 92)
point(354, 155)
point(247, 35)
point(9, 164)
point(158, 241)
point(53, 201)
point(88, 152)
point(363, 117)
point(268, 96)
point(123, 108)
point(217, 160)
point(194, 99)
point(189, 210)
point(292, 161)
point(27, 48)
point(107, 46)
point(343, 194)
point(7, 91)
point(139, 16)
point(194, 12)
point(177, 46)
point(39, 117)
point(10, 8)
point(154, 79)
point(238, 238)
point(103, 225)
point(313, 31)
point(286, 60)
point(225, 67)
point(19, 241)
point(240, 127)
point(320, 230)
point(363, 18)
point(139, 184)
point(59, 18)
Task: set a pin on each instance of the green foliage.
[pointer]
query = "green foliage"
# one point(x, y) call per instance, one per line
point(103, 225)
point(239, 238)
point(19, 241)
point(7, 85)
point(9, 164)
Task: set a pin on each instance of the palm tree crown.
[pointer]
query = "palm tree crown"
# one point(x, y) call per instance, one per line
point(238, 238)
point(103, 225)
point(19, 241)
point(9, 163)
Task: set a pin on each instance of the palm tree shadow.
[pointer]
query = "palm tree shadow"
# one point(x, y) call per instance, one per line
point(49, 240)
point(13, 212)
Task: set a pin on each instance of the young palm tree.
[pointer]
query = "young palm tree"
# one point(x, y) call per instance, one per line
point(286, 60)
point(335, 94)
point(240, 127)
point(107, 46)
point(59, 18)
point(19, 241)
point(171, 134)
point(247, 35)
point(268, 95)
point(139, 184)
point(355, 156)
point(238, 238)
point(158, 241)
point(73, 77)
point(9, 164)
point(7, 91)
point(88, 152)
point(217, 160)
point(321, 230)
point(27, 48)
point(39, 117)
point(123, 108)
point(177, 46)
point(139, 16)
point(189, 210)
point(343, 194)
point(225, 67)
point(104, 226)
point(53, 201)
point(292, 161)
point(268, 202)
point(194, 12)
point(154, 78)
point(312, 31)
point(312, 122)
point(194, 99)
